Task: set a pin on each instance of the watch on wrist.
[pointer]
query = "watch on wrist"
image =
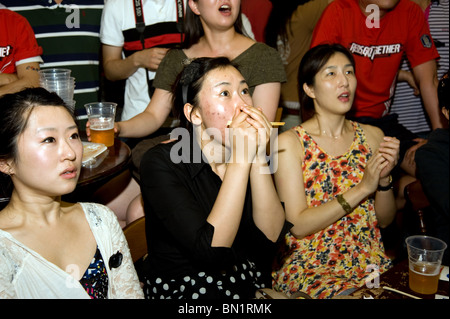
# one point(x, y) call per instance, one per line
point(387, 187)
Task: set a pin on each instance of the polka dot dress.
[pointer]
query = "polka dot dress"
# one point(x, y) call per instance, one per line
point(239, 282)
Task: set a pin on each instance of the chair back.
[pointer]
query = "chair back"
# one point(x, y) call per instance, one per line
point(137, 241)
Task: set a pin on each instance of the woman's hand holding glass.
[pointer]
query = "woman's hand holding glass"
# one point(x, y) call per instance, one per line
point(88, 130)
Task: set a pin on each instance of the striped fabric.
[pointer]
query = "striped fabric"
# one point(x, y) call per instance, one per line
point(69, 36)
point(409, 107)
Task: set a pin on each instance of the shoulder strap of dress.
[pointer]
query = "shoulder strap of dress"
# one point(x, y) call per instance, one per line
point(302, 134)
point(360, 135)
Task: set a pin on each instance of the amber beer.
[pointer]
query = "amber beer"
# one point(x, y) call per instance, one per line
point(101, 121)
point(424, 277)
point(102, 131)
point(425, 257)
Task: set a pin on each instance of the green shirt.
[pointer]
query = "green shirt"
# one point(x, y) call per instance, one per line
point(258, 64)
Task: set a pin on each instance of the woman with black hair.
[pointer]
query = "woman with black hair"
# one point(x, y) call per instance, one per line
point(212, 212)
point(211, 29)
point(289, 30)
point(334, 179)
point(50, 248)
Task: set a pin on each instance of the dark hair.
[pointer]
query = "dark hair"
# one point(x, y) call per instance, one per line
point(193, 28)
point(279, 19)
point(189, 83)
point(15, 110)
point(311, 63)
point(443, 91)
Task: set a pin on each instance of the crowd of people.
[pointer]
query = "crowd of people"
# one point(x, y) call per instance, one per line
point(228, 212)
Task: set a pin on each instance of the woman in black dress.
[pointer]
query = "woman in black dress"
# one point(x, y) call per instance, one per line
point(209, 235)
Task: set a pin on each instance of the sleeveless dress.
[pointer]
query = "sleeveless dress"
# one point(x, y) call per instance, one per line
point(344, 254)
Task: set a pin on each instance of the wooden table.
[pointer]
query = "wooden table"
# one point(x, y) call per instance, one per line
point(116, 162)
point(397, 278)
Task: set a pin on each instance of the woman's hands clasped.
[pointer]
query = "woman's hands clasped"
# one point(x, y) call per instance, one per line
point(250, 134)
point(380, 165)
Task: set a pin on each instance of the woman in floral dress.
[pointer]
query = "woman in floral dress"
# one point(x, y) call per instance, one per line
point(334, 179)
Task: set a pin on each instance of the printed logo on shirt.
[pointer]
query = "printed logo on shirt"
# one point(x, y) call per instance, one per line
point(375, 51)
point(5, 51)
point(426, 41)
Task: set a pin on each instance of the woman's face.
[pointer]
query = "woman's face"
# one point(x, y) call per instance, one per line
point(334, 86)
point(223, 90)
point(221, 13)
point(49, 153)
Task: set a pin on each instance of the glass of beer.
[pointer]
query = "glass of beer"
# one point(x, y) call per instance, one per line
point(101, 122)
point(425, 257)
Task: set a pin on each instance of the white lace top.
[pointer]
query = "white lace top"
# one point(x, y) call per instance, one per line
point(26, 274)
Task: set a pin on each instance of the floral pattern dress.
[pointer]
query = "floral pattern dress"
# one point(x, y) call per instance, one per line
point(345, 253)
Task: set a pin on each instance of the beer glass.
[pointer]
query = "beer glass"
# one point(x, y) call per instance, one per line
point(101, 118)
point(425, 257)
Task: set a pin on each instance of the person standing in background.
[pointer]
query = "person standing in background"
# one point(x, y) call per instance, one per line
point(379, 34)
point(68, 32)
point(257, 12)
point(124, 56)
point(406, 103)
point(289, 30)
point(19, 53)
point(433, 170)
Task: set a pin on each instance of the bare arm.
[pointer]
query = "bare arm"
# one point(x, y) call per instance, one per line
point(268, 212)
point(147, 122)
point(290, 186)
point(426, 76)
point(406, 76)
point(7, 78)
point(226, 214)
point(267, 97)
point(151, 119)
point(27, 77)
point(117, 68)
point(388, 147)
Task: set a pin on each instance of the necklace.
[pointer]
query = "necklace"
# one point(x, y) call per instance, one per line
point(331, 135)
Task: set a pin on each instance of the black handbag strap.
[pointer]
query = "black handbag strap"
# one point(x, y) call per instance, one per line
point(140, 27)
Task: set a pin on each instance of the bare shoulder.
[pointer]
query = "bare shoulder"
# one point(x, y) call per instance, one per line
point(373, 134)
point(289, 142)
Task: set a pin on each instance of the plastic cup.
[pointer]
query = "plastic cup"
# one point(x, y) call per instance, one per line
point(54, 73)
point(425, 257)
point(71, 105)
point(63, 86)
point(101, 118)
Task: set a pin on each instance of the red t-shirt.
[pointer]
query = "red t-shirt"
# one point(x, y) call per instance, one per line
point(17, 41)
point(257, 12)
point(377, 51)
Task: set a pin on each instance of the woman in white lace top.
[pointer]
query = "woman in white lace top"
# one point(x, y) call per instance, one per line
point(50, 248)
